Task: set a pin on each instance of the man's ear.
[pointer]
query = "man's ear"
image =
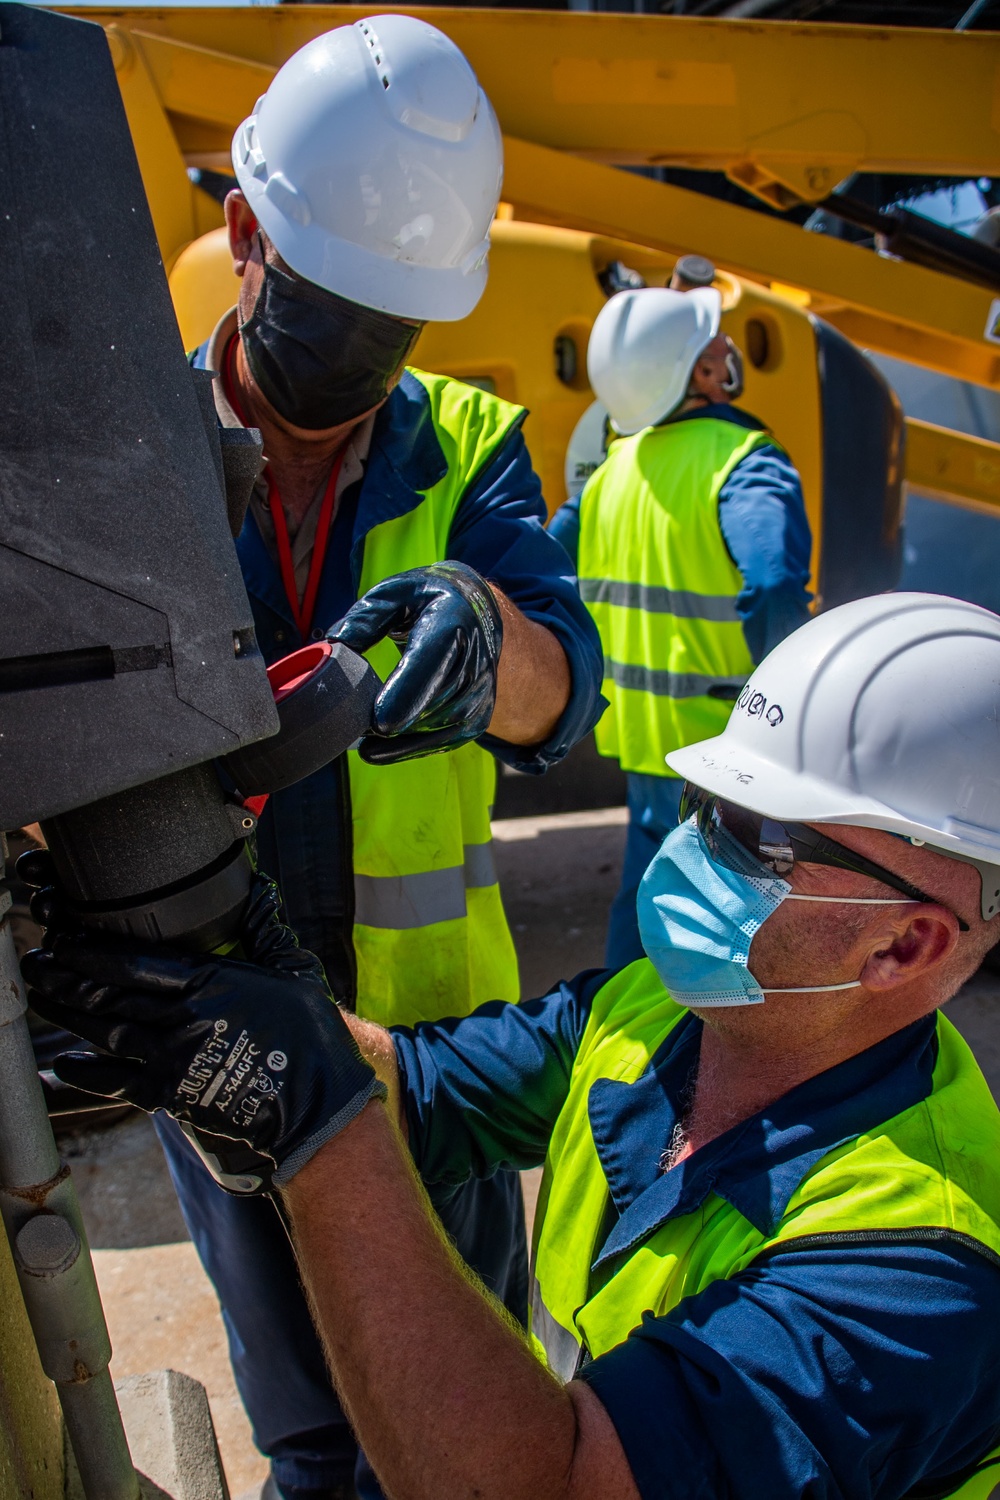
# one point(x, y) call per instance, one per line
point(920, 943)
point(701, 377)
point(241, 224)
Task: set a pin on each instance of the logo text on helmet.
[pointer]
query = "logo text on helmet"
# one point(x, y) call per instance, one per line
point(757, 707)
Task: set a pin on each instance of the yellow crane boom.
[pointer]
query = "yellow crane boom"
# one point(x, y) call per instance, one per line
point(791, 104)
point(786, 110)
point(889, 306)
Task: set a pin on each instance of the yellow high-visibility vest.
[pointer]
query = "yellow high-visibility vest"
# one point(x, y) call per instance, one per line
point(657, 578)
point(430, 934)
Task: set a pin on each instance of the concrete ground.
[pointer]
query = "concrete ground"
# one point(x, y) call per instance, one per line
point(559, 874)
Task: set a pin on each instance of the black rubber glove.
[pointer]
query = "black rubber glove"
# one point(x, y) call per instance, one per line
point(255, 1051)
point(444, 689)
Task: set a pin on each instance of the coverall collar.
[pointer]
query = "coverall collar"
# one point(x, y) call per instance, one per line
point(759, 1164)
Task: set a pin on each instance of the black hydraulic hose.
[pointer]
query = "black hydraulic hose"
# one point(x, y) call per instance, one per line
point(912, 237)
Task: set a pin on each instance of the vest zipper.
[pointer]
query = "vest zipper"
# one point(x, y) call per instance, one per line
point(929, 1234)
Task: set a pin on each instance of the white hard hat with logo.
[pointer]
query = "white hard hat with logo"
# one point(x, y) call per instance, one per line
point(373, 163)
point(643, 347)
point(883, 713)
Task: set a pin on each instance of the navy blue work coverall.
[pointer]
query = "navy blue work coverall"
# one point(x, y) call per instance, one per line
point(304, 841)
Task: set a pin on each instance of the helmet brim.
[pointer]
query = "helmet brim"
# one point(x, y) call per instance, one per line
point(731, 771)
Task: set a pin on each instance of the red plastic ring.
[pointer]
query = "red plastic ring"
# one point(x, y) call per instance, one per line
point(291, 672)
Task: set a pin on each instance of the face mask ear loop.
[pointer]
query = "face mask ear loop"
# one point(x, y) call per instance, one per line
point(851, 984)
point(733, 387)
point(263, 279)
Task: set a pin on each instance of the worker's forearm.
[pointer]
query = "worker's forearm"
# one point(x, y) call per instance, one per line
point(443, 1391)
point(376, 1047)
point(533, 679)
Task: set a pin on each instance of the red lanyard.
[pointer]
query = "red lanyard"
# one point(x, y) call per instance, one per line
point(301, 614)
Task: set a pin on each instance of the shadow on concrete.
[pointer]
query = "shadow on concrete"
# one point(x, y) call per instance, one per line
point(124, 1187)
point(583, 780)
point(558, 885)
point(975, 1010)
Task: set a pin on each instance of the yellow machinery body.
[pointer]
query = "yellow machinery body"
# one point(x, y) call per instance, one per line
point(544, 288)
point(786, 110)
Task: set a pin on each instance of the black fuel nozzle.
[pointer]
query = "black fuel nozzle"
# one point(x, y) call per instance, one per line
point(170, 861)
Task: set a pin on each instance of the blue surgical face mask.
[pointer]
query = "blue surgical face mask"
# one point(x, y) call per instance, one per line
point(697, 920)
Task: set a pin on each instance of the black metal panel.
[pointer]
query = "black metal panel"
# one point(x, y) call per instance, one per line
point(862, 473)
point(113, 527)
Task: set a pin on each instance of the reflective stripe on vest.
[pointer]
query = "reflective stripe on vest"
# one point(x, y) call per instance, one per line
point(430, 935)
point(672, 684)
point(657, 578)
point(426, 897)
point(559, 1347)
point(927, 1170)
point(981, 1484)
point(657, 600)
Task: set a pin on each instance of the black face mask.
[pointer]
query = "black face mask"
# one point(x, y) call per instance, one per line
point(319, 359)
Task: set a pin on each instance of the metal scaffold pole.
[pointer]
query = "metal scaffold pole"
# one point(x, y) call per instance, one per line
point(43, 1221)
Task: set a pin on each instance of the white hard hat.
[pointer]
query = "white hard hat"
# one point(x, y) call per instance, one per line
point(643, 347)
point(373, 163)
point(884, 713)
point(587, 448)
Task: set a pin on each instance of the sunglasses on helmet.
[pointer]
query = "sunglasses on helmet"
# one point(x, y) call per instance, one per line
point(777, 846)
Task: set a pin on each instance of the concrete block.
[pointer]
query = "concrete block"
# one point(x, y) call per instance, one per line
point(170, 1436)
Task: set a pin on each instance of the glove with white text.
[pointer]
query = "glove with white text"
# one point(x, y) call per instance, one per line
point(253, 1050)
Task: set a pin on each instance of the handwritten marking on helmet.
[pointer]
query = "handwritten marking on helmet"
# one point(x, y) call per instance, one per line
point(756, 705)
point(710, 763)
